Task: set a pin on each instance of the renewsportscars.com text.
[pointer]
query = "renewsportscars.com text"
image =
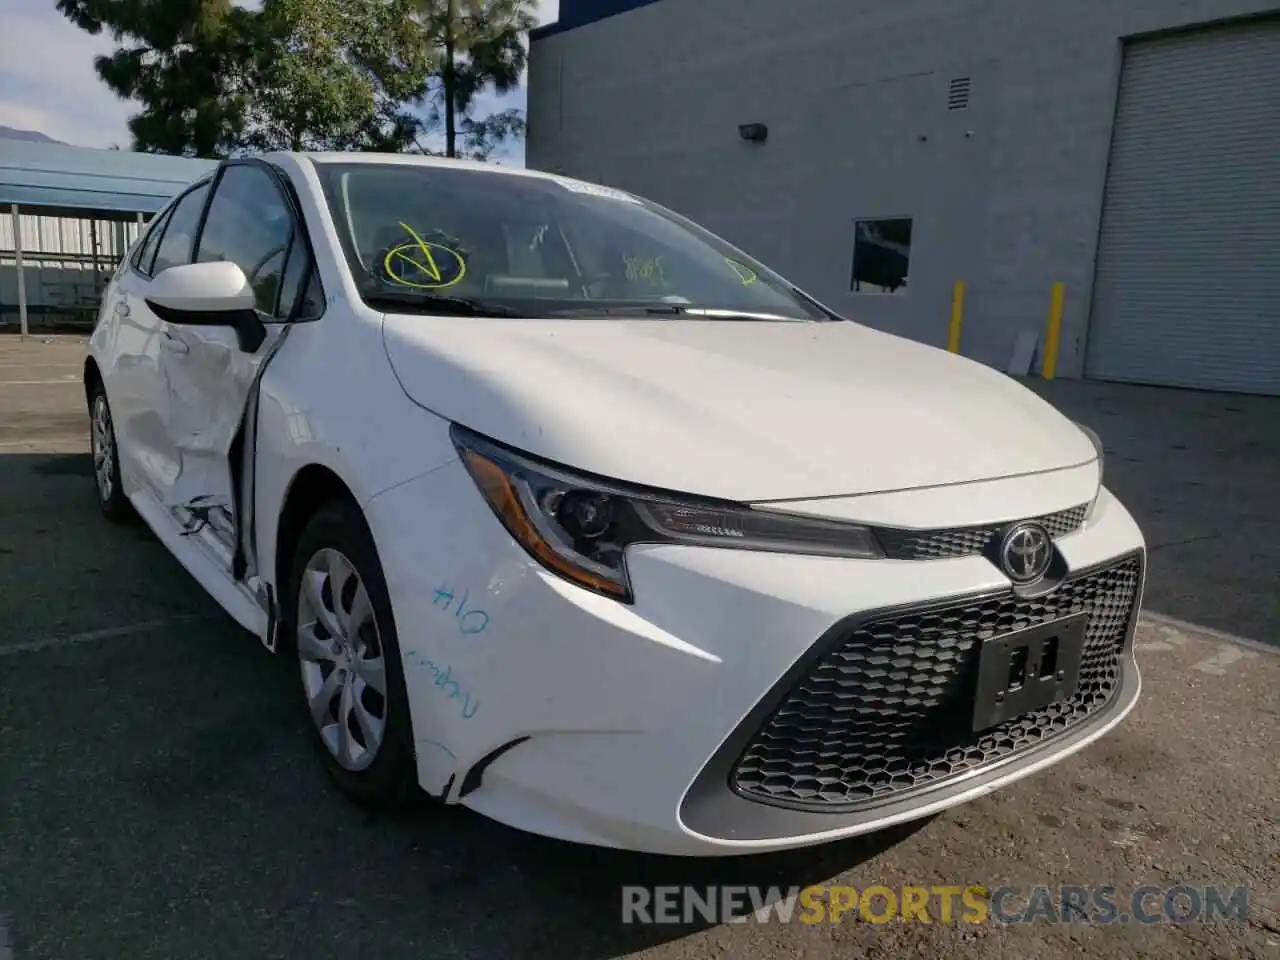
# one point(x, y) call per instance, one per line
point(935, 903)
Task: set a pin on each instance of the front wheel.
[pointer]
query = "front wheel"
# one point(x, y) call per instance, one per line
point(106, 458)
point(352, 679)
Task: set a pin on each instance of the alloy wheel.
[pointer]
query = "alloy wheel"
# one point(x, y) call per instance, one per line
point(341, 656)
point(103, 440)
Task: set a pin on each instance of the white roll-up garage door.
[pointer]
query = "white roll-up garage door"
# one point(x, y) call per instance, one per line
point(1187, 289)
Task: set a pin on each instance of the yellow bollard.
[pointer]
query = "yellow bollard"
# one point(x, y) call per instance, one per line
point(1053, 335)
point(957, 317)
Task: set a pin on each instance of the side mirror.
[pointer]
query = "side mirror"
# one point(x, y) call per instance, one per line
point(215, 294)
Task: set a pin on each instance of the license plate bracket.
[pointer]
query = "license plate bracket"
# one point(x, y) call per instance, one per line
point(1027, 670)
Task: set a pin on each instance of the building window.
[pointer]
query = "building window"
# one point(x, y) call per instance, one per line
point(881, 255)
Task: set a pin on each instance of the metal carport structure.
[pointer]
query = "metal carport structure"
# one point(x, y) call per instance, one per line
point(121, 188)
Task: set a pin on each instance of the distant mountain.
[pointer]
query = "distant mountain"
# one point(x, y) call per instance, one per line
point(9, 133)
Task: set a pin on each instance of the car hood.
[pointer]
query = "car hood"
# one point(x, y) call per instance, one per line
point(746, 411)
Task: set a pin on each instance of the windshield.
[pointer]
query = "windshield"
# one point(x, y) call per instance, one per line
point(539, 247)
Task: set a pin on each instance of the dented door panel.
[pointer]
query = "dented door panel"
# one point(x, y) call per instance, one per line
point(138, 395)
point(211, 379)
point(144, 390)
point(208, 386)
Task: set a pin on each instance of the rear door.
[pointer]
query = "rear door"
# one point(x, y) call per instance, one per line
point(211, 380)
point(139, 393)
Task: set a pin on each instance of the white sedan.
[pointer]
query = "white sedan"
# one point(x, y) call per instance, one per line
point(572, 513)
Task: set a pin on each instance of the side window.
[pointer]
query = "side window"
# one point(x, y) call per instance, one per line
point(301, 297)
point(145, 255)
point(313, 297)
point(250, 225)
point(180, 232)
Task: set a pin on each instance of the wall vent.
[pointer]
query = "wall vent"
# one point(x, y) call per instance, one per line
point(958, 95)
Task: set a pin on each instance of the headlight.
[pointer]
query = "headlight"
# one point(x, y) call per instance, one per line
point(1097, 445)
point(579, 526)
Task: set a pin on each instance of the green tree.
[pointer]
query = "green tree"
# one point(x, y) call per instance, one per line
point(482, 136)
point(335, 75)
point(184, 61)
point(214, 78)
point(479, 44)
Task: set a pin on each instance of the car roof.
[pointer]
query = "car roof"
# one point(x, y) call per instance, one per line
point(419, 160)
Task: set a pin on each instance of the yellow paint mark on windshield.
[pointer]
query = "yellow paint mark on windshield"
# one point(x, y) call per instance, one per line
point(422, 264)
point(742, 270)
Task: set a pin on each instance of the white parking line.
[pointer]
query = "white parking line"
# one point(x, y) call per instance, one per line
point(1225, 656)
point(90, 636)
point(41, 442)
point(1170, 637)
point(43, 364)
point(69, 378)
point(1182, 626)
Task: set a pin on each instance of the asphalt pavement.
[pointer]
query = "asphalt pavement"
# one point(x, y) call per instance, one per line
point(158, 797)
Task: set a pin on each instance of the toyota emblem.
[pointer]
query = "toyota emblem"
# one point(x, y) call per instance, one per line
point(1025, 552)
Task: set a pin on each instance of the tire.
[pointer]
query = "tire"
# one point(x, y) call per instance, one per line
point(106, 458)
point(384, 777)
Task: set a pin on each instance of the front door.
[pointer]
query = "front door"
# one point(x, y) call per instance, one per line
point(210, 375)
point(209, 379)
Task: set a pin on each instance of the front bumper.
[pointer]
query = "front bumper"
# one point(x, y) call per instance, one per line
point(639, 727)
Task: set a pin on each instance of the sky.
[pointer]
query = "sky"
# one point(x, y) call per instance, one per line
point(48, 84)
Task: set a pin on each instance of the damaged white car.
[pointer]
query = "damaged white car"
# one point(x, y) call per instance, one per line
point(571, 512)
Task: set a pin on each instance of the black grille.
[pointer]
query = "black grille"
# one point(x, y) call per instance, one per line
point(889, 710)
point(967, 541)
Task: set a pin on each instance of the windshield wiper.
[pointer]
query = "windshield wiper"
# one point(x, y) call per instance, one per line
point(432, 303)
point(712, 313)
point(674, 310)
point(652, 310)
